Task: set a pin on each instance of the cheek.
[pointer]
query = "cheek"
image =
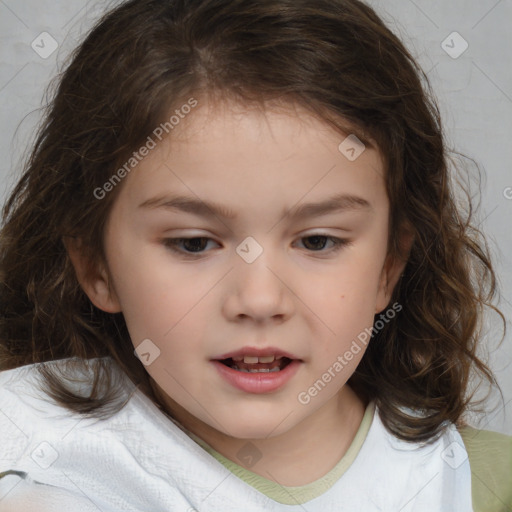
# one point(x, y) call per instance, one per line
point(343, 306)
point(160, 301)
point(345, 296)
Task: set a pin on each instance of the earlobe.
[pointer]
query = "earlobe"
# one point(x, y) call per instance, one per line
point(92, 277)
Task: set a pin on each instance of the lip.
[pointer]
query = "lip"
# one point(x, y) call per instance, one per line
point(257, 383)
point(259, 352)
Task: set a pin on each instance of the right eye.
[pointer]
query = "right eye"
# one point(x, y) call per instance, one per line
point(187, 246)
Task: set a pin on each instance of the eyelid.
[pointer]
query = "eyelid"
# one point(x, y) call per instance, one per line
point(339, 243)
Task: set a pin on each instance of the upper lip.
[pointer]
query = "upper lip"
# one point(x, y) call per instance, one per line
point(254, 351)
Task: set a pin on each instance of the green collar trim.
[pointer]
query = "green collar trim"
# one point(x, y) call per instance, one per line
point(303, 493)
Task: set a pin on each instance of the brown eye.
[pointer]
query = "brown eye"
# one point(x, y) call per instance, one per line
point(317, 243)
point(189, 245)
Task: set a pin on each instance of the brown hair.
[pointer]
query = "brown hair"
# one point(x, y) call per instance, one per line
point(334, 57)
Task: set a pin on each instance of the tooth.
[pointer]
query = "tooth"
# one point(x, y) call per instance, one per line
point(238, 358)
point(266, 359)
point(262, 370)
point(250, 359)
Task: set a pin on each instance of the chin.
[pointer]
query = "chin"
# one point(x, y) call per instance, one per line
point(256, 426)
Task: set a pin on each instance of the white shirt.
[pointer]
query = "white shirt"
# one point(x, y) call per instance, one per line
point(139, 460)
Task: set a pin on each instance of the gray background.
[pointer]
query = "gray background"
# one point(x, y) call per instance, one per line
point(474, 91)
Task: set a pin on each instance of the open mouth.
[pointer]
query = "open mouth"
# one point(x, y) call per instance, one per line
point(253, 364)
point(267, 372)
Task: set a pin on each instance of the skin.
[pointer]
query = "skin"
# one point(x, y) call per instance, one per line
point(299, 295)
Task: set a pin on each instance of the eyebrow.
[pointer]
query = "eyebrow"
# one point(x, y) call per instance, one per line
point(207, 209)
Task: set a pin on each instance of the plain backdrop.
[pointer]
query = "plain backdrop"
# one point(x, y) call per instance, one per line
point(464, 46)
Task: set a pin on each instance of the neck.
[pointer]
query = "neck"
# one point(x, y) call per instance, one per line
point(301, 455)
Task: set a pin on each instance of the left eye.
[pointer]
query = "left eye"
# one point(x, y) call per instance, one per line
point(196, 245)
point(320, 240)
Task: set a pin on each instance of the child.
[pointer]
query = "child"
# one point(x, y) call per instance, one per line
point(234, 276)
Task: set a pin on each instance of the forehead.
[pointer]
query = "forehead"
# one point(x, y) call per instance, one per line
point(273, 122)
point(234, 154)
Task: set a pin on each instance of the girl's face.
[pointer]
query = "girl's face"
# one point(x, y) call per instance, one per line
point(288, 256)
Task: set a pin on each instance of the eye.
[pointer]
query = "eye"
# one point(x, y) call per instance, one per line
point(197, 245)
point(318, 242)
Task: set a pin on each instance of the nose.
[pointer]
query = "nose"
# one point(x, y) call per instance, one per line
point(259, 291)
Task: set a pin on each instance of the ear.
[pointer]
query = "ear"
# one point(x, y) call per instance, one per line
point(93, 277)
point(392, 270)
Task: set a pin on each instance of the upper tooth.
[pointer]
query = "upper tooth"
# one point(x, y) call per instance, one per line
point(256, 359)
point(238, 358)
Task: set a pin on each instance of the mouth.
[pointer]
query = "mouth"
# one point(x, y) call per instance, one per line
point(257, 370)
point(257, 364)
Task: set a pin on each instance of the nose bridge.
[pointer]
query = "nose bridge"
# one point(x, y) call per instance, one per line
point(255, 261)
point(259, 290)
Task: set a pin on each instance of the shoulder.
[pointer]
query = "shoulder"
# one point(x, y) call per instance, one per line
point(67, 461)
point(40, 442)
point(27, 410)
point(490, 459)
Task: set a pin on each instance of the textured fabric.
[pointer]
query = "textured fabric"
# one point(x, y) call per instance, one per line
point(304, 493)
point(138, 460)
point(490, 457)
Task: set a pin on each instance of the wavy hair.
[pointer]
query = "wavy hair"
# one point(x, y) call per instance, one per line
point(337, 59)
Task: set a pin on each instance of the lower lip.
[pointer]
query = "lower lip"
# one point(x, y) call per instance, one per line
point(257, 382)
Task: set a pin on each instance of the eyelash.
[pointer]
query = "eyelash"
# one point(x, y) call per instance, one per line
point(172, 243)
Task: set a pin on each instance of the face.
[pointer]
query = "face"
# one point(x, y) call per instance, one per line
point(283, 257)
